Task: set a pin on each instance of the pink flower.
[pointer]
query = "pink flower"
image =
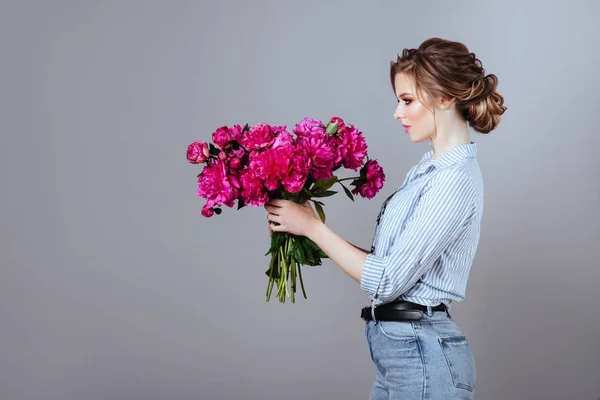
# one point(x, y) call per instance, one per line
point(282, 157)
point(264, 166)
point(222, 156)
point(352, 147)
point(370, 181)
point(293, 166)
point(236, 132)
point(282, 138)
point(207, 211)
point(197, 152)
point(215, 185)
point(308, 126)
point(236, 135)
point(322, 152)
point(221, 137)
point(259, 137)
point(253, 191)
point(235, 182)
point(300, 165)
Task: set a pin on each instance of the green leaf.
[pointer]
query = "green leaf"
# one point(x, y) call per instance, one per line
point(213, 150)
point(307, 192)
point(240, 203)
point(322, 254)
point(320, 211)
point(324, 184)
point(235, 145)
point(300, 254)
point(326, 193)
point(276, 274)
point(348, 192)
point(246, 128)
point(217, 210)
point(312, 245)
point(332, 128)
point(277, 240)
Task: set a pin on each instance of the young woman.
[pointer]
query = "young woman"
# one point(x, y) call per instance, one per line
point(427, 232)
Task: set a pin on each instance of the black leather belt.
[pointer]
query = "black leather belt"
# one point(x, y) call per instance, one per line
point(399, 311)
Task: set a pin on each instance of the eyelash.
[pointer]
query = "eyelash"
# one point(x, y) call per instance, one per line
point(405, 101)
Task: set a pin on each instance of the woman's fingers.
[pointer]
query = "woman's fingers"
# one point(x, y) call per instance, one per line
point(274, 218)
point(271, 209)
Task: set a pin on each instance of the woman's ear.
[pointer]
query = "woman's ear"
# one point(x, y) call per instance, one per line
point(446, 103)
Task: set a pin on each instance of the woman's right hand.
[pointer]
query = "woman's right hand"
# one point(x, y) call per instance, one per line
point(269, 223)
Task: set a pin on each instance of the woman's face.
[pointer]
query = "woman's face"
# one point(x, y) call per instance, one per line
point(413, 114)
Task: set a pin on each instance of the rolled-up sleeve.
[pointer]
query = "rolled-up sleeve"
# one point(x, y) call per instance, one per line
point(439, 216)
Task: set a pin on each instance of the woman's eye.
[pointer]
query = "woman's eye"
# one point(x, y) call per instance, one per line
point(406, 101)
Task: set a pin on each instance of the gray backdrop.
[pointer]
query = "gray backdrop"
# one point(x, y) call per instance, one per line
point(113, 286)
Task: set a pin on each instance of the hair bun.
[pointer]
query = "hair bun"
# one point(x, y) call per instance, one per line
point(486, 105)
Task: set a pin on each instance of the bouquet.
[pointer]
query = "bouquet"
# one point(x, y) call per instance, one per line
point(254, 164)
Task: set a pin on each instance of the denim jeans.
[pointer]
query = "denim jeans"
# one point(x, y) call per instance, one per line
point(426, 359)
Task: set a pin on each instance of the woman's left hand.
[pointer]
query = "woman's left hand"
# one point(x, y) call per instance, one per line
point(294, 218)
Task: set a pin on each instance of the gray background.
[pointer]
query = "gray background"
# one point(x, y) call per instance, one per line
point(113, 286)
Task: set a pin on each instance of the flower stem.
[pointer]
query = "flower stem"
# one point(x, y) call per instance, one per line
point(271, 279)
point(292, 263)
point(287, 269)
point(281, 272)
point(301, 283)
point(347, 179)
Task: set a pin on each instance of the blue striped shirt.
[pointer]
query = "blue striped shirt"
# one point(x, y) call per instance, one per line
point(427, 232)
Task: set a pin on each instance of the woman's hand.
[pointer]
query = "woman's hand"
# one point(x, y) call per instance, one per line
point(294, 218)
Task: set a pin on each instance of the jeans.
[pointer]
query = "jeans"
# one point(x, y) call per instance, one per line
point(426, 359)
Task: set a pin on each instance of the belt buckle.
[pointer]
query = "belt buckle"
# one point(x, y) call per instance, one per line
point(364, 313)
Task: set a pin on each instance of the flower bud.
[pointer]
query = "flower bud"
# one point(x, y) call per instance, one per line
point(207, 211)
point(235, 163)
point(198, 152)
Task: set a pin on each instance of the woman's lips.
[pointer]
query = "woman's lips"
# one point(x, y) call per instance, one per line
point(407, 128)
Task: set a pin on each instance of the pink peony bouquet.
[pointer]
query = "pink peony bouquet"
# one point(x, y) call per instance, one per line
point(252, 165)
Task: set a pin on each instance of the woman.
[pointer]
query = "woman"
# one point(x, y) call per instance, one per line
point(427, 232)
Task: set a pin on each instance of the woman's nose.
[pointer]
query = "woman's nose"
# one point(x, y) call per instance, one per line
point(398, 115)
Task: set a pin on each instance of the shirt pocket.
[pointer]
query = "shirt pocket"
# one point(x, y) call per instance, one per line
point(460, 361)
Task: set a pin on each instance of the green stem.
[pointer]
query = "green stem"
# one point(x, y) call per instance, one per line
point(283, 277)
point(301, 283)
point(271, 279)
point(293, 277)
point(287, 269)
point(281, 271)
point(347, 179)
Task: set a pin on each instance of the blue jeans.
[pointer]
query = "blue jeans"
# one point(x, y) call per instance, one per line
point(425, 359)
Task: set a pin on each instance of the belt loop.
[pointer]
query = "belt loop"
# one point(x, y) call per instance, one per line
point(429, 311)
point(373, 312)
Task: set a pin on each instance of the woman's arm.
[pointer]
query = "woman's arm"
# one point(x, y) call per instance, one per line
point(360, 248)
point(347, 256)
point(301, 219)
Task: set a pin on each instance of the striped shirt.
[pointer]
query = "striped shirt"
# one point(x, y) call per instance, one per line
point(427, 232)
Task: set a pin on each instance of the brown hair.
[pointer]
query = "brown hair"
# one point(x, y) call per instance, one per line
point(443, 68)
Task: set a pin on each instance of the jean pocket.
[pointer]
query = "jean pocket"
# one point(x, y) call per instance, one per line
point(397, 330)
point(461, 363)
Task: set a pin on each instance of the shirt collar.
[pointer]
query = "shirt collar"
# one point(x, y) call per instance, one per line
point(450, 157)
